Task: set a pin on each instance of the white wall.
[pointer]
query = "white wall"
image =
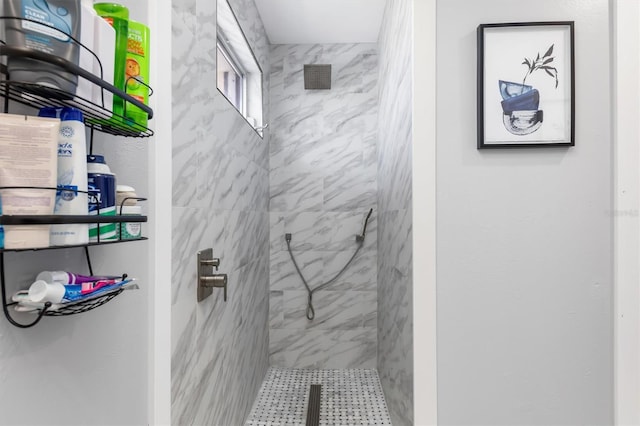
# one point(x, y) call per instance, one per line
point(626, 198)
point(160, 178)
point(524, 264)
point(424, 214)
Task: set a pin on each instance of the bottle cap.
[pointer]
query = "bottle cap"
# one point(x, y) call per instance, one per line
point(69, 114)
point(48, 112)
point(41, 291)
point(126, 194)
point(53, 277)
point(95, 159)
point(125, 188)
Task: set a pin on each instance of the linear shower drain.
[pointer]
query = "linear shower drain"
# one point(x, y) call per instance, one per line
point(313, 409)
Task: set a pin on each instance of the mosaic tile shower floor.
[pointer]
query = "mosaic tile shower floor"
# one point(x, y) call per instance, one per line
point(350, 397)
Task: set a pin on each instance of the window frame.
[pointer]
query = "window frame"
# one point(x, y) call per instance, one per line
point(233, 45)
point(223, 47)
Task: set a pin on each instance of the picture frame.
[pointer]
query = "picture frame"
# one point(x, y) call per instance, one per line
point(526, 81)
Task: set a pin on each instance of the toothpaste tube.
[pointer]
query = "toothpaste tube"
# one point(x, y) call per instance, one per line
point(42, 291)
point(63, 277)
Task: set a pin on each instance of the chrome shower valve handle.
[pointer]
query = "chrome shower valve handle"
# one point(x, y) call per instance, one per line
point(207, 280)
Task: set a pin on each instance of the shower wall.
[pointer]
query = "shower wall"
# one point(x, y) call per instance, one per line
point(395, 253)
point(322, 183)
point(220, 200)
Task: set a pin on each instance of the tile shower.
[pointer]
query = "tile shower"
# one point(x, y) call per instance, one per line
point(322, 184)
point(220, 200)
point(326, 159)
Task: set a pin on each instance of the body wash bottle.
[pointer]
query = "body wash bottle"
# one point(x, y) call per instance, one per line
point(59, 20)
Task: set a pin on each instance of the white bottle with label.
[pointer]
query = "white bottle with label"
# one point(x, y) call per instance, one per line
point(72, 176)
point(99, 38)
point(86, 58)
point(104, 41)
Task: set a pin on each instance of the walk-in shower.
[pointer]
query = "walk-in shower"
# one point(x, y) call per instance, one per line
point(321, 174)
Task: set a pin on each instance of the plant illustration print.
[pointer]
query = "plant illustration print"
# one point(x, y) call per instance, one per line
point(520, 103)
point(541, 64)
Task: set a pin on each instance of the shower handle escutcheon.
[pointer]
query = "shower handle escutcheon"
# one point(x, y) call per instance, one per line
point(207, 279)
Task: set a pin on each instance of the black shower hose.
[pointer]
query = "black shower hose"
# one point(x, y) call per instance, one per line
point(311, 313)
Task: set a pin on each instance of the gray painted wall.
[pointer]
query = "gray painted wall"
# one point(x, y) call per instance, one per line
point(524, 240)
point(395, 253)
point(220, 200)
point(85, 359)
point(322, 184)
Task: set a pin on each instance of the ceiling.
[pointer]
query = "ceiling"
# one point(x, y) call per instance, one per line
point(321, 21)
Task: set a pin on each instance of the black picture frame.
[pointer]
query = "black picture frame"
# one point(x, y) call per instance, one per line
point(526, 85)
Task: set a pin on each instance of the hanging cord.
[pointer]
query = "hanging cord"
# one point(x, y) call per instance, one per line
point(311, 313)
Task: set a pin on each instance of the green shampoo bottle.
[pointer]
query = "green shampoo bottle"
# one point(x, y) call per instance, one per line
point(118, 17)
point(137, 74)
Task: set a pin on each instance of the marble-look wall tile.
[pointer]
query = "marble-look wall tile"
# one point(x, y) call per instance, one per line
point(334, 310)
point(395, 257)
point(283, 275)
point(323, 182)
point(184, 80)
point(321, 266)
point(354, 348)
point(276, 312)
point(220, 198)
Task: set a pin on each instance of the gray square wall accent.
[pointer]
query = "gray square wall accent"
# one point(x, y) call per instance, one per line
point(317, 76)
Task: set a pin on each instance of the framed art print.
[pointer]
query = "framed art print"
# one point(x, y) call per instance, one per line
point(526, 84)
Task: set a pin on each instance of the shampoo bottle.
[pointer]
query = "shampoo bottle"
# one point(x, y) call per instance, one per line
point(137, 73)
point(118, 17)
point(72, 178)
point(58, 19)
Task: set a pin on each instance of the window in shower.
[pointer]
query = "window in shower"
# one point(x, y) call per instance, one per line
point(230, 78)
point(238, 75)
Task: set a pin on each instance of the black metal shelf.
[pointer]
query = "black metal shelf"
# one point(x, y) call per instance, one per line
point(91, 244)
point(70, 308)
point(37, 96)
point(96, 116)
point(67, 219)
